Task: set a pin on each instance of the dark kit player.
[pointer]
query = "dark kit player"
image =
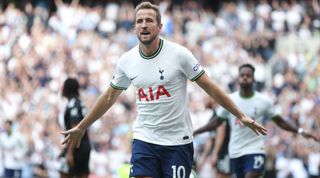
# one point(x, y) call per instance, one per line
point(76, 162)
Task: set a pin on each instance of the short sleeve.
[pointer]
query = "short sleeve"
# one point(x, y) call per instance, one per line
point(270, 110)
point(190, 65)
point(120, 80)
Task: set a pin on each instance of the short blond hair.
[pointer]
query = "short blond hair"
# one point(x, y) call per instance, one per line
point(148, 5)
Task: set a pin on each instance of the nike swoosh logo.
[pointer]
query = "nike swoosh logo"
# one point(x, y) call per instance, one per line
point(133, 78)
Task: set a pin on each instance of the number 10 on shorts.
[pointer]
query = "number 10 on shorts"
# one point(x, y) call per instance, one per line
point(179, 172)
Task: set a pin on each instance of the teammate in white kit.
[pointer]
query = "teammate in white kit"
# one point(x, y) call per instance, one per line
point(159, 70)
point(247, 151)
point(14, 148)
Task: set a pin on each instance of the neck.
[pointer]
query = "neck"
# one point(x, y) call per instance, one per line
point(151, 48)
point(244, 92)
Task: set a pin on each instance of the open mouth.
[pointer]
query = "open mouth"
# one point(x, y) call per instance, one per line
point(145, 33)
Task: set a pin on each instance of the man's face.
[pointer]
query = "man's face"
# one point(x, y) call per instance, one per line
point(246, 77)
point(146, 26)
point(7, 127)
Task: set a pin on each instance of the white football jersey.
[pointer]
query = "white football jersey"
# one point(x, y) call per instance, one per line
point(243, 140)
point(160, 83)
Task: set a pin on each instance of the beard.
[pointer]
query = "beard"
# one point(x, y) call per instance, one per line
point(246, 86)
point(146, 41)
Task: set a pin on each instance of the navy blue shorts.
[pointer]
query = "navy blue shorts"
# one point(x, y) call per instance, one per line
point(12, 173)
point(159, 161)
point(248, 163)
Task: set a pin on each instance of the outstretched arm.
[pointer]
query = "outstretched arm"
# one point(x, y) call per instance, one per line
point(104, 102)
point(212, 125)
point(289, 127)
point(224, 100)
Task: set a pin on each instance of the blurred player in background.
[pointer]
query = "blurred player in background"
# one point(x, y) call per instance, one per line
point(162, 135)
point(219, 158)
point(75, 161)
point(247, 152)
point(13, 146)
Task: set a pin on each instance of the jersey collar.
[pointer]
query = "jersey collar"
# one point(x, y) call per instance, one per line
point(154, 54)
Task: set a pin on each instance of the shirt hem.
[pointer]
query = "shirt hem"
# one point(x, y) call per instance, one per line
point(247, 153)
point(162, 142)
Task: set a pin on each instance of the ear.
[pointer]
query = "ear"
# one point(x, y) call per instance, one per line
point(160, 26)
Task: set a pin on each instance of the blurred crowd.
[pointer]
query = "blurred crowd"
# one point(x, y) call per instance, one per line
point(40, 48)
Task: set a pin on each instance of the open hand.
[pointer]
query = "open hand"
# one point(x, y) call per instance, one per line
point(253, 125)
point(73, 137)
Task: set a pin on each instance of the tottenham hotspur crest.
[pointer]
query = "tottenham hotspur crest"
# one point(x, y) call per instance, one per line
point(161, 74)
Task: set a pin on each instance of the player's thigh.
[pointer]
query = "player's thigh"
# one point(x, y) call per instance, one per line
point(177, 161)
point(254, 165)
point(237, 167)
point(81, 162)
point(144, 160)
